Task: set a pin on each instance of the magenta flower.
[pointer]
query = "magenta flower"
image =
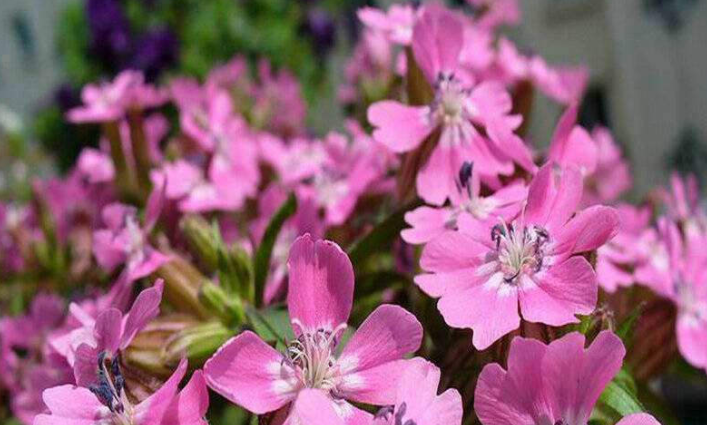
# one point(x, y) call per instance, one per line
point(110, 101)
point(108, 403)
point(557, 383)
point(124, 241)
point(310, 375)
point(430, 222)
point(396, 24)
point(111, 333)
point(417, 401)
point(96, 166)
point(572, 145)
point(488, 276)
point(438, 38)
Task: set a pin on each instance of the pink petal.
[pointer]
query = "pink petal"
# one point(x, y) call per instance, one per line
point(152, 410)
point(190, 406)
point(495, 400)
point(438, 284)
point(401, 128)
point(427, 223)
point(578, 376)
point(437, 40)
point(145, 308)
point(452, 251)
point(155, 203)
point(248, 372)
point(69, 401)
point(553, 196)
point(321, 285)
point(435, 181)
point(563, 291)
point(418, 390)
point(488, 308)
point(638, 419)
point(108, 329)
point(376, 385)
point(588, 230)
point(313, 407)
point(692, 340)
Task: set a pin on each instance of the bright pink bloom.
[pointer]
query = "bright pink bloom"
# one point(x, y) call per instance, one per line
point(683, 201)
point(253, 375)
point(279, 106)
point(417, 401)
point(457, 107)
point(638, 419)
point(497, 12)
point(430, 222)
point(486, 275)
point(557, 383)
point(612, 177)
point(110, 101)
point(108, 403)
point(125, 241)
point(572, 145)
point(96, 166)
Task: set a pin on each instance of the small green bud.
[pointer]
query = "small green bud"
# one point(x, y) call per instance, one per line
point(228, 307)
point(196, 343)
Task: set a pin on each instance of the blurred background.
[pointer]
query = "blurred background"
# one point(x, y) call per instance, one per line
point(648, 62)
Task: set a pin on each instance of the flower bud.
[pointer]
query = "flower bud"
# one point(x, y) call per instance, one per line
point(182, 282)
point(228, 307)
point(196, 343)
point(203, 239)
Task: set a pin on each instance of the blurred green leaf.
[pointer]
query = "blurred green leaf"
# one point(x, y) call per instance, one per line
point(272, 324)
point(625, 329)
point(619, 398)
point(261, 260)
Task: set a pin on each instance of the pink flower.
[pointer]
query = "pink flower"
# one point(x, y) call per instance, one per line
point(487, 276)
point(430, 222)
point(497, 12)
point(96, 166)
point(310, 375)
point(279, 106)
point(108, 402)
point(681, 276)
point(557, 383)
point(110, 101)
point(111, 333)
point(572, 144)
point(683, 201)
point(396, 24)
point(617, 259)
point(612, 177)
point(417, 401)
point(457, 107)
point(125, 241)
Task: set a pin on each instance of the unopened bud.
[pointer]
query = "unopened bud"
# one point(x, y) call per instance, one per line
point(182, 283)
point(196, 343)
point(204, 240)
point(227, 306)
point(236, 272)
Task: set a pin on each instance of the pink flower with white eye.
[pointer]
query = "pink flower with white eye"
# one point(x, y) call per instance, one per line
point(310, 374)
point(417, 401)
point(125, 241)
point(457, 107)
point(487, 276)
point(108, 403)
point(396, 24)
point(305, 220)
point(110, 333)
point(550, 384)
point(110, 101)
point(612, 176)
point(430, 222)
point(682, 278)
point(617, 260)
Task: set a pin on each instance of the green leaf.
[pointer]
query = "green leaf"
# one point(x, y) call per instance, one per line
point(261, 260)
point(625, 329)
point(272, 324)
point(380, 237)
point(619, 397)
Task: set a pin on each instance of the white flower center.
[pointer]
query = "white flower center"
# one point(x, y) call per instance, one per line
point(519, 251)
point(313, 357)
point(449, 105)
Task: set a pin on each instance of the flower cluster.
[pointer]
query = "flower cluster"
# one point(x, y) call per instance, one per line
point(427, 265)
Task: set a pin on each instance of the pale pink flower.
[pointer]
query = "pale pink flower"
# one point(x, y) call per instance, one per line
point(617, 259)
point(557, 383)
point(438, 38)
point(427, 222)
point(488, 276)
point(417, 401)
point(96, 166)
point(396, 24)
point(125, 240)
point(110, 101)
point(612, 176)
point(279, 106)
point(108, 403)
point(683, 201)
point(255, 376)
point(370, 67)
point(682, 278)
point(497, 12)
